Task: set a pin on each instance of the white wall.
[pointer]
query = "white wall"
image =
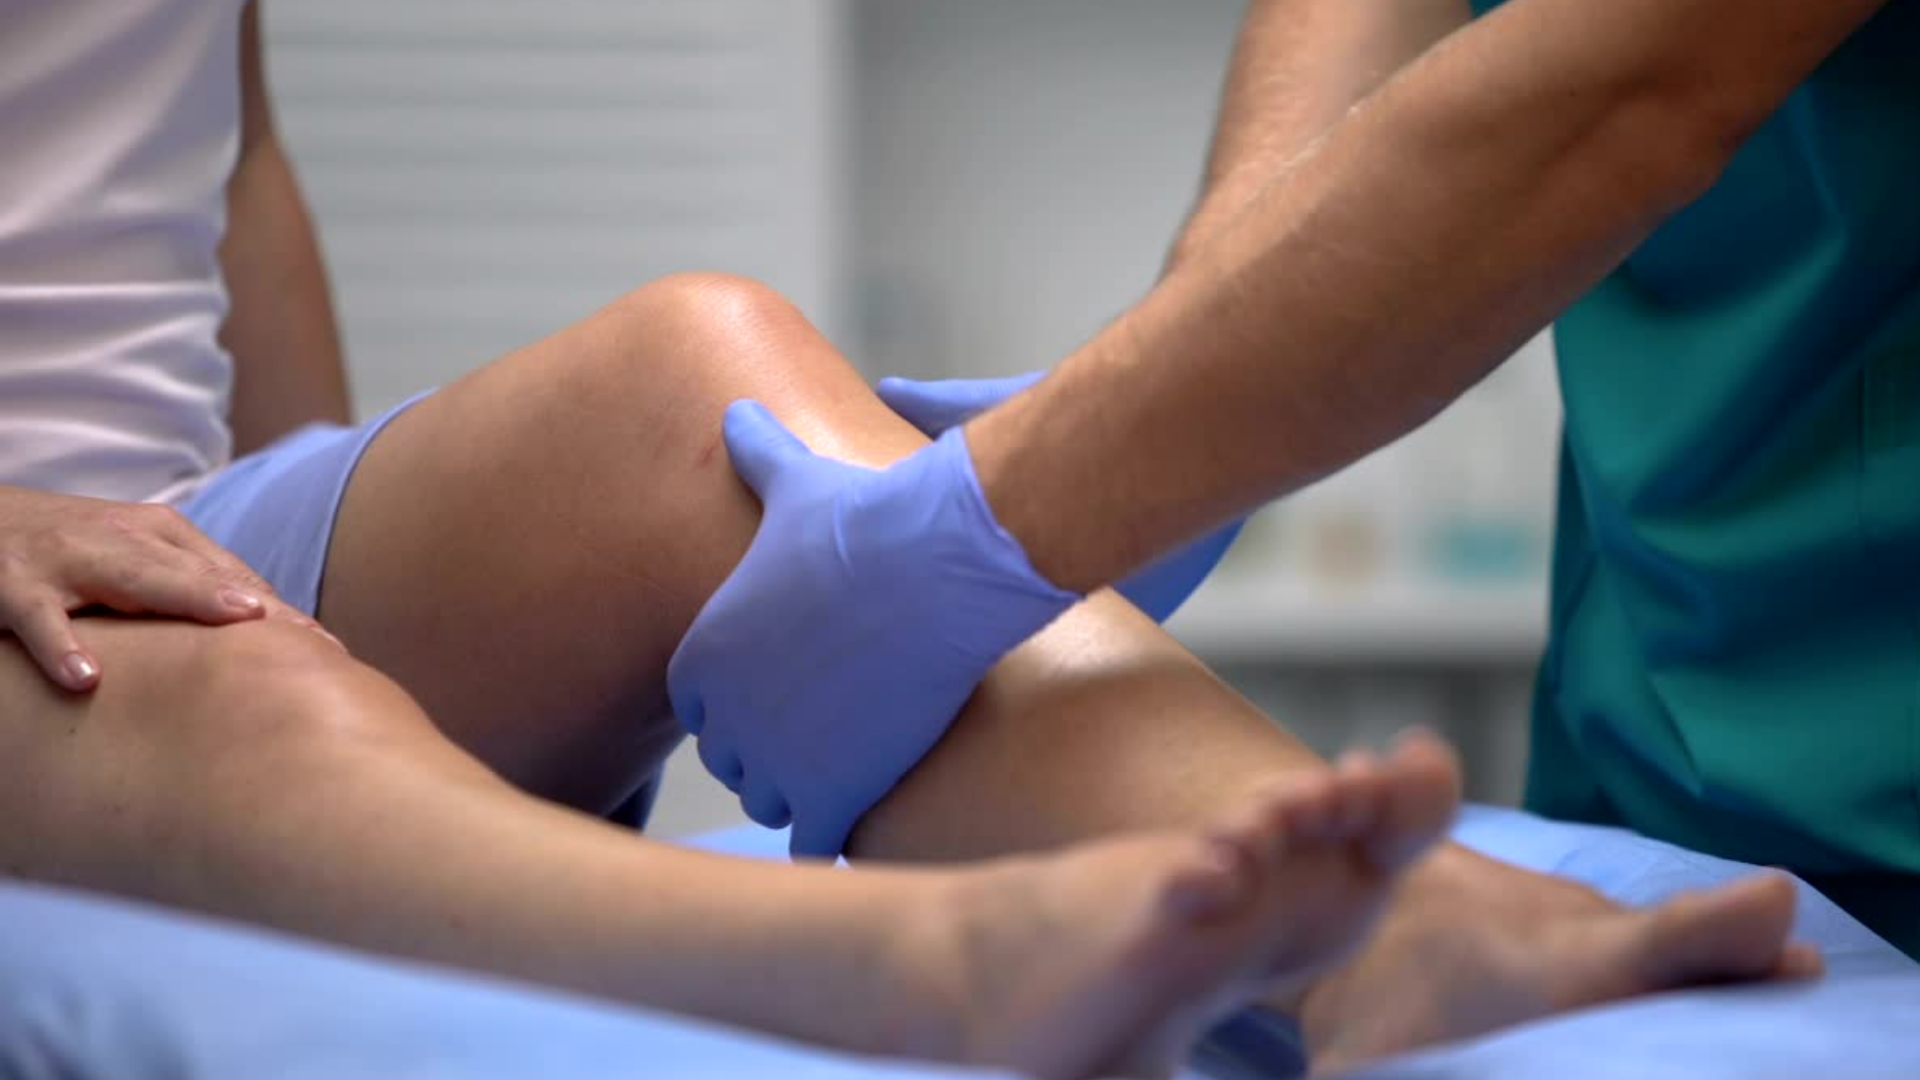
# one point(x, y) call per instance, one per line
point(1021, 168)
point(485, 172)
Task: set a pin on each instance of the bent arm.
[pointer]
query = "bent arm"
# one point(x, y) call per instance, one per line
point(1420, 241)
point(280, 328)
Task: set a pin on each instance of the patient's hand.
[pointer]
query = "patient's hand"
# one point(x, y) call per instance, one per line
point(60, 553)
point(1471, 945)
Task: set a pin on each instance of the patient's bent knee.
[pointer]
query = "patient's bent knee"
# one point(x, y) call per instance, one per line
point(702, 327)
point(711, 303)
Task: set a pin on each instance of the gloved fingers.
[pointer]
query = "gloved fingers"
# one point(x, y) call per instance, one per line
point(764, 803)
point(760, 445)
point(722, 763)
point(683, 693)
point(1163, 585)
point(817, 838)
point(936, 405)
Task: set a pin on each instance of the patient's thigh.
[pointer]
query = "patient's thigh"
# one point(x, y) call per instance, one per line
point(523, 550)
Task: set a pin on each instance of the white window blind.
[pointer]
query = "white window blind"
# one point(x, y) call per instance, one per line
point(486, 171)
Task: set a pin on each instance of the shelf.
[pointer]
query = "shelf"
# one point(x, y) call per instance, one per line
point(1246, 618)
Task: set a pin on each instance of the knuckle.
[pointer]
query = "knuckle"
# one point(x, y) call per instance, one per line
point(243, 575)
point(162, 514)
point(58, 544)
point(128, 574)
point(144, 519)
point(42, 613)
point(125, 520)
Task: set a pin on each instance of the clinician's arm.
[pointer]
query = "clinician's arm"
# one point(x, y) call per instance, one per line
point(1422, 240)
point(280, 329)
point(1298, 67)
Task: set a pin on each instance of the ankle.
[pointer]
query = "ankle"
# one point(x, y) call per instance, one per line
point(929, 955)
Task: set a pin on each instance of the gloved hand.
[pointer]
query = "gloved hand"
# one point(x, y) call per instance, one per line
point(1160, 587)
point(868, 608)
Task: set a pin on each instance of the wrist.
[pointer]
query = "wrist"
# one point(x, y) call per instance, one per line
point(999, 550)
point(987, 445)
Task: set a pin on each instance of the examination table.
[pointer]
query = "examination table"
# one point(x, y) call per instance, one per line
point(93, 988)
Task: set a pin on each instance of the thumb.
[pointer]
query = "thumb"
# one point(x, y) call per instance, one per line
point(935, 406)
point(761, 447)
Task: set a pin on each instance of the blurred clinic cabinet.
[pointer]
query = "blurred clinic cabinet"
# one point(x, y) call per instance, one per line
point(948, 188)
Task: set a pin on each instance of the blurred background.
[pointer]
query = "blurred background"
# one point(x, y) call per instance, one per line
point(947, 189)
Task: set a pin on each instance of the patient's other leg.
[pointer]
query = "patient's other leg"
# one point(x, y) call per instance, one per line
point(258, 773)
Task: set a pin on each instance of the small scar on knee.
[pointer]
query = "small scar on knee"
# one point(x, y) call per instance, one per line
point(709, 449)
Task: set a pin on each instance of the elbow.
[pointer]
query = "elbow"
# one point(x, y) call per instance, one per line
point(1674, 138)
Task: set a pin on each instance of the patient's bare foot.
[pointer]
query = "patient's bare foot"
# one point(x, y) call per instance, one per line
point(1111, 958)
point(1471, 945)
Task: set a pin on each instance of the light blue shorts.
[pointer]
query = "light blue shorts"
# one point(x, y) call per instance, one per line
point(275, 508)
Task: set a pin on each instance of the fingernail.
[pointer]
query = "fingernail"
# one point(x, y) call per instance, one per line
point(80, 670)
point(239, 601)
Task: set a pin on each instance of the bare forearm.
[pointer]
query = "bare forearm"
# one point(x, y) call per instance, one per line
point(1423, 238)
point(280, 329)
point(1298, 66)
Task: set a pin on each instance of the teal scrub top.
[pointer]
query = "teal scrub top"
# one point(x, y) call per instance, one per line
point(1735, 654)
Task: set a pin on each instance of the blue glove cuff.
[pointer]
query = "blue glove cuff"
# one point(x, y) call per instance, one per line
point(985, 598)
point(990, 556)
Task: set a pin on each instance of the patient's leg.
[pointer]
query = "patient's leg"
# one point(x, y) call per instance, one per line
point(524, 550)
point(257, 772)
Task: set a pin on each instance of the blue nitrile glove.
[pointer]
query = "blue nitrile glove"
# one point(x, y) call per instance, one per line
point(1160, 587)
point(868, 608)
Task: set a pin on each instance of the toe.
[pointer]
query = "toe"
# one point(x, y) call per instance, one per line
point(1420, 790)
point(1207, 882)
point(1267, 833)
point(1801, 960)
point(1252, 832)
point(1359, 785)
point(1421, 754)
point(1308, 811)
point(1736, 932)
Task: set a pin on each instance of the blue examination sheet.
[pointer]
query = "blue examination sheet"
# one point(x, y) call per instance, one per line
point(95, 988)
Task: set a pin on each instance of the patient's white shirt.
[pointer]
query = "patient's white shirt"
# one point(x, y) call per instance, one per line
point(119, 122)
